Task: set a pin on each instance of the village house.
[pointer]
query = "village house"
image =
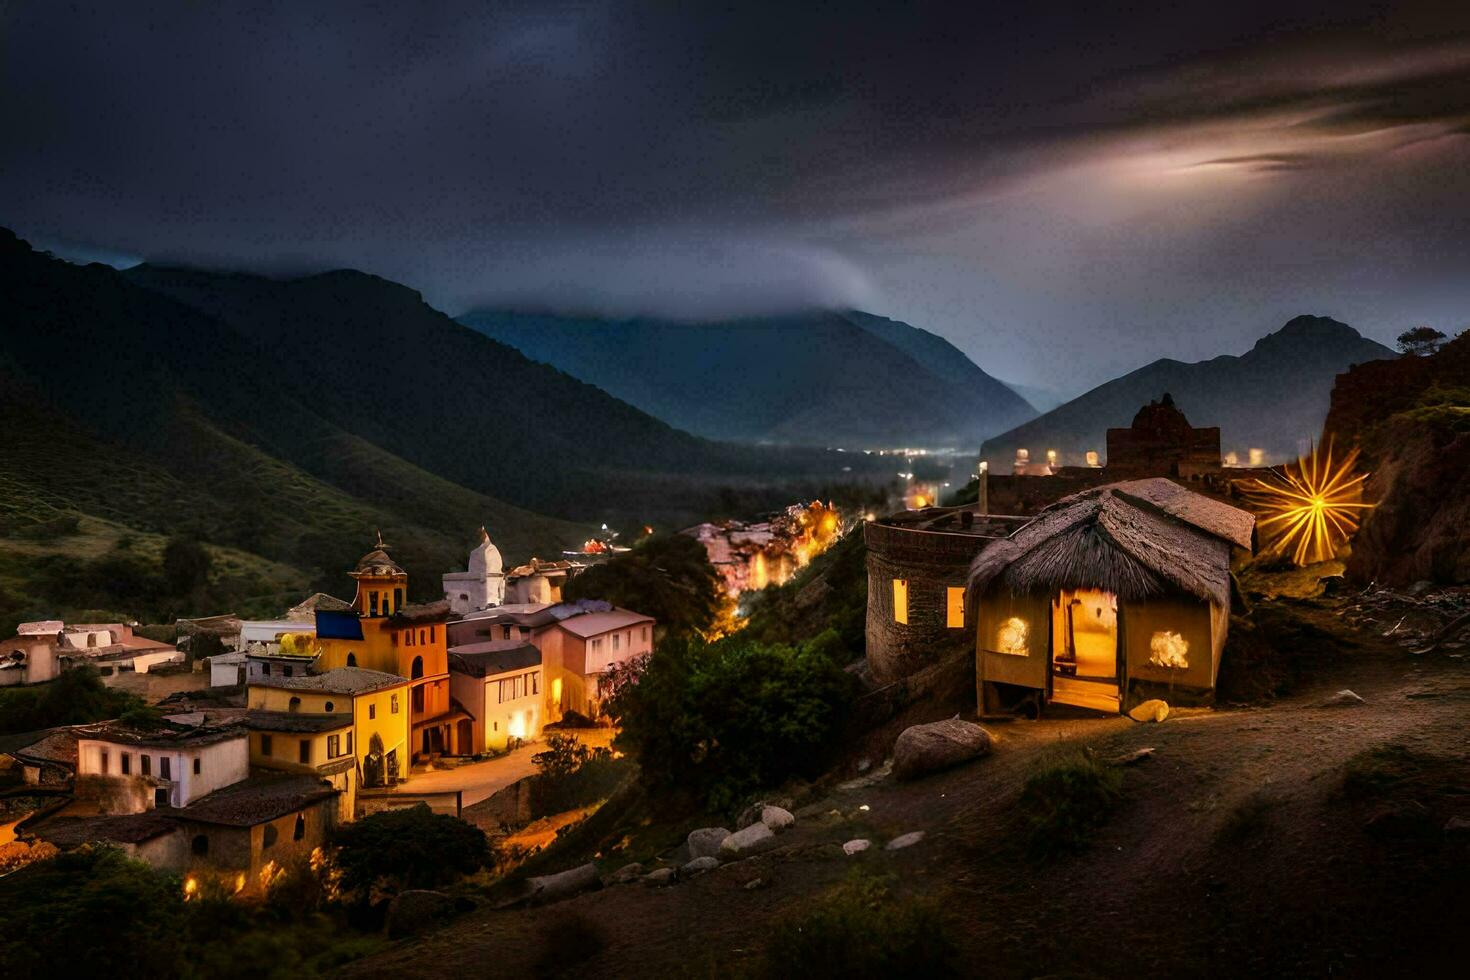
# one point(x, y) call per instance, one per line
point(124, 769)
point(1109, 597)
point(40, 651)
point(384, 632)
point(539, 580)
point(377, 708)
point(499, 684)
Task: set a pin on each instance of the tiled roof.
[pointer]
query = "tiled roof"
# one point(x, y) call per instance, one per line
point(494, 657)
point(342, 680)
point(425, 613)
point(255, 800)
point(594, 624)
point(57, 745)
point(131, 828)
point(164, 737)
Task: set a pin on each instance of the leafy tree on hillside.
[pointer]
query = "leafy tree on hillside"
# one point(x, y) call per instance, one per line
point(407, 848)
point(667, 576)
point(720, 720)
point(76, 697)
point(1421, 341)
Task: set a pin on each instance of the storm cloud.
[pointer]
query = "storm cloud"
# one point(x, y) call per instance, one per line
point(1117, 185)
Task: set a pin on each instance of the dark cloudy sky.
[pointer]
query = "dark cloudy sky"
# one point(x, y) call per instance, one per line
point(1064, 193)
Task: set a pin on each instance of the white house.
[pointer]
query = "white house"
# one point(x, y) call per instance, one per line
point(129, 770)
point(482, 585)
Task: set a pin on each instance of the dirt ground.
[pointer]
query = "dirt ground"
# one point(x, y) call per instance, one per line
point(1234, 853)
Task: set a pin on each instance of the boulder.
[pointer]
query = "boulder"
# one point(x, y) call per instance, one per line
point(1457, 827)
point(564, 884)
point(743, 843)
point(699, 866)
point(923, 749)
point(856, 846)
point(416, 910)
point(627, 873)
point(705, 842)
point(1342, 699)
point(904, 840)
point(1151, 710)
point(777, 818)
point(660, 877)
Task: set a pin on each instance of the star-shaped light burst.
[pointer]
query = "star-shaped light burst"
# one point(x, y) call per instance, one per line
point(1313, 506)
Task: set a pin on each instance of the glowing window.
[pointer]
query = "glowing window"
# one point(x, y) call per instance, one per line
point(955, 607)
point(1011, 637)
point(1168, 649)
point(901, 601)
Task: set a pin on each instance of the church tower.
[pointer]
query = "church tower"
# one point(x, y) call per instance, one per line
point(483, 585)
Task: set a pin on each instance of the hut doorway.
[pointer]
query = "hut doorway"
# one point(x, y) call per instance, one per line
point(1085, 665)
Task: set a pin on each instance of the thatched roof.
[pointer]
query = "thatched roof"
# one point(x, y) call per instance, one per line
point(1136, 539)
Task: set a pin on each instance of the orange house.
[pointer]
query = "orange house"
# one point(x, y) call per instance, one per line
point(384, 632)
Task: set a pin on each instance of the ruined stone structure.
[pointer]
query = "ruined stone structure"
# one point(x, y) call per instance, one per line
point(918, 563)
point(1161, 442)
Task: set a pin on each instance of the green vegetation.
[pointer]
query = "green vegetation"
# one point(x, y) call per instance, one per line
point(830, 594)
point(666, 576)
point(1066, 800)
point(720, 720)
point(75, 698)
point(95, 912)
point(572, 774)
point(407, 848)
point(860, 930)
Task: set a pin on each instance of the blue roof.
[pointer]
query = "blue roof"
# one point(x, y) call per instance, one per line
point(335, 625)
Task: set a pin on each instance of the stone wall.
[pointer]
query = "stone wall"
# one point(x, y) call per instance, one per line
point(931, 562)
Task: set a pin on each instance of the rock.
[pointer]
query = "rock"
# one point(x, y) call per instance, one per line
point(1457, 827)
point(777, 818)
point(1342, 699)
point(864, 765)
point(1134, 757)
point(904, 840)
point(755, 883)
point(699, 866)
point(1151, 710)
point(751, 840)
point(856, 846)
point(565, 884)
point(627, 873)
point(922, 749)
point(1420, 587)
point(705, 842)
point(416, 910)
point(1333, 584)
point(659, 877)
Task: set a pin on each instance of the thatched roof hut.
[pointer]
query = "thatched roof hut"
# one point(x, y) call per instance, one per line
point(1078, 593)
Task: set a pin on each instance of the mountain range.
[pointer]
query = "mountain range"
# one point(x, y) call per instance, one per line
point(282, 421)
point(825, 378)
point(1271, 397)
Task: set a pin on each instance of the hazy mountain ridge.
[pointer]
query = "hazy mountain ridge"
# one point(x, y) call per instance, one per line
point(1270, 397)
point(819, 378)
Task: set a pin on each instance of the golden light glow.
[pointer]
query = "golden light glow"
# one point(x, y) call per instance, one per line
point(1312, 507)
point(1011, 637)
point(1168, 649)
point(191, 885)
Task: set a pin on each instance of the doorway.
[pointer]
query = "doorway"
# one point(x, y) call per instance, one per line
point(1084, 664)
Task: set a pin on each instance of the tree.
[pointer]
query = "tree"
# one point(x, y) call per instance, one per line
point(724, 719)
point(668, 577)
point(1421, 341)
point(76, 697)
point(408, 848)
point(186, 566)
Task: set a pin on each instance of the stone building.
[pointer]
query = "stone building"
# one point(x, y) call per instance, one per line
point(918, 562)
point(1161, 442)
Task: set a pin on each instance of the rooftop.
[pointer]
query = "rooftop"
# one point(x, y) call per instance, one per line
point(342, 680)
point(131, 828)
point(255, 800)
point(421, 613)
point(593, 624)
point(494, 657)
point(166, 736)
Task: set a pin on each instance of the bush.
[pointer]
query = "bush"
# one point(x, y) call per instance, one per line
point(408, 848)
point(573, 775)
point(668, 577)
point(1066, 800)
point(76, 697)
point(858, 930)
point(720, 720)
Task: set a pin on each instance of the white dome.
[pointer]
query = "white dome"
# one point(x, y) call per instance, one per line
point(485, 559)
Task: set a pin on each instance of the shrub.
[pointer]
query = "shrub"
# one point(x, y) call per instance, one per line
point(572, 775)
point(720, 720)
point(407, 848)
point(1066, 800)
point(76, 697)
point(668, 577)
point(858, 930)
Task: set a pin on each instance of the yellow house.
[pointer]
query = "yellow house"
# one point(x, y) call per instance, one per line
point(383, 632)
point(324, 744)
point(373, 703)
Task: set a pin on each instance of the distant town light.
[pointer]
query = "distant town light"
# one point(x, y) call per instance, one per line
point(1093, 459)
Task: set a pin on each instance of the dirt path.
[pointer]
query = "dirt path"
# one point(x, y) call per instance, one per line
point(1164, 890)
point(479, 780)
